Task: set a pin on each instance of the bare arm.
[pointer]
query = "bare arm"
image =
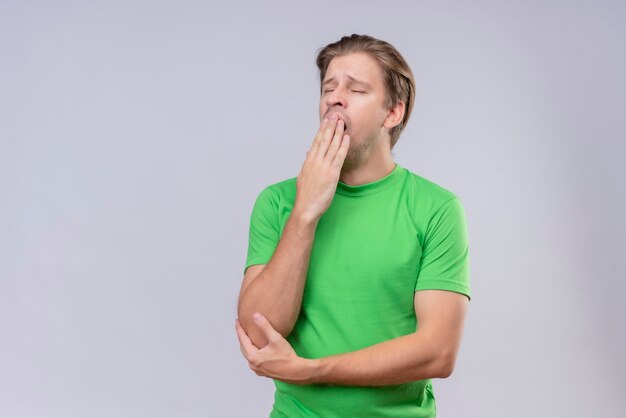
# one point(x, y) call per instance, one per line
point(275, 290)
point(429, 352)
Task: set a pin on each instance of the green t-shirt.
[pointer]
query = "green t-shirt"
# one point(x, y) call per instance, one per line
point(375, 245)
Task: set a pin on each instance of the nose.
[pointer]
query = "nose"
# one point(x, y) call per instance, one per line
point(337, 97)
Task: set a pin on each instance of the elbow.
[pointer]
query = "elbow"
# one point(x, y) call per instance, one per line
point(245, 313)
point(254, 332)
point(247, 323)
point(242, 313)
point(445, 366)
point(445, 371)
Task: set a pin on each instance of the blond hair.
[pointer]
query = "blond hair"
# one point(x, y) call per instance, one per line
point(397, 75)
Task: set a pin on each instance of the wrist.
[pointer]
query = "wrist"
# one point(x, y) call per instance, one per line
point(304, 221)
point(316, 370)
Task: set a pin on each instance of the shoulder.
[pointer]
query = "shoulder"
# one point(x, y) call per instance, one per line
point(281, 191)
point(284, 186)
point(425, 194)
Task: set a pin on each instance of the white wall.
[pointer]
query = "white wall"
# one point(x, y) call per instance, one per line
point(135, 136)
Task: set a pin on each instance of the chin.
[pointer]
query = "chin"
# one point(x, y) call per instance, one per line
point(354, 158)
point(358, 153)
point(349, 165)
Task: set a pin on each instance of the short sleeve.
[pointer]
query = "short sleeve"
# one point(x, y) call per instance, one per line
point(444, 263)
point(264, 232)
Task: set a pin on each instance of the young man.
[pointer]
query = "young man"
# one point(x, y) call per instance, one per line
point(356, 281)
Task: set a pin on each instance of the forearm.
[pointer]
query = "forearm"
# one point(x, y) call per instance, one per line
point(400, 360)
point(277, 291)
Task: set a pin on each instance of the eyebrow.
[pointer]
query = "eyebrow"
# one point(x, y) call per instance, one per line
point(351, 78)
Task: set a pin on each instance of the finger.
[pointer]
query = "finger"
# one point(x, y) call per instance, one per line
point(319, 135)
point(266, 327)
point(245, 341)
point(331, 126)
point(342, 152)
point(336, 142)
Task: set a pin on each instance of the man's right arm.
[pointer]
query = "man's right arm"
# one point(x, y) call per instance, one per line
point(275, 289)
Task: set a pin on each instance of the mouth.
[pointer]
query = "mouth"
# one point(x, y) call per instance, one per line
point(346, 126)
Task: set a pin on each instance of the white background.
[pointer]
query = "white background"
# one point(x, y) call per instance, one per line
point(135, 136)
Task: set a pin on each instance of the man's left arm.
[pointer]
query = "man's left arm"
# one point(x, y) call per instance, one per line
point(429, 352)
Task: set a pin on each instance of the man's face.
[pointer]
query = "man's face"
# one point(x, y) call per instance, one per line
point(353, 88)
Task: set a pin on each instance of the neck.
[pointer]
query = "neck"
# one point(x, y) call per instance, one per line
point(378, 164)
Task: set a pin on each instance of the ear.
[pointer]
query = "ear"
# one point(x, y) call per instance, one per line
point(394, 115)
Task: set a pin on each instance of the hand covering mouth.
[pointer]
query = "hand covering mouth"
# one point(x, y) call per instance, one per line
point(345, 124)
point(340, 117)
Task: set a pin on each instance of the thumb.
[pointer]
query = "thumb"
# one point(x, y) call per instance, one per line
point(262, 322)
